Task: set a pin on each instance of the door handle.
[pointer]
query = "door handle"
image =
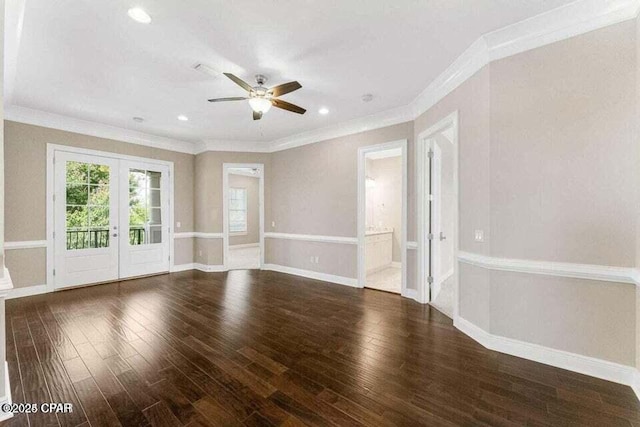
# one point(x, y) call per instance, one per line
point(442, 237)
point(115, 234)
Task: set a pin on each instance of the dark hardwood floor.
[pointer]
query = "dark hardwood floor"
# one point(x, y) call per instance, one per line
point(262, 348)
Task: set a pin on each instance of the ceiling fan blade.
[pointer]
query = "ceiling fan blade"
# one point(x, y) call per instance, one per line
point(285, 88)
point(235, 98)
point(288, 106)
point(244, 85)
point(257, 115)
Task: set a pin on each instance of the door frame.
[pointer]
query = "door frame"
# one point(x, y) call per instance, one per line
point(52, 149)
point(362, 170)
point(225, 207)
point(422, 144)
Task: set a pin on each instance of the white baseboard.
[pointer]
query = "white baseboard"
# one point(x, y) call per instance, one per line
point(603, 369)
point(27, 291)
point(245, 245)
point(396, 264)
point(411, 293)
point(182, 267)
point(7, 397)
point(209, 268)
point(340, 280)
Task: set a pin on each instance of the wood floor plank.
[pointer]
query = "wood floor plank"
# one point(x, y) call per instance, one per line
point(258, 348)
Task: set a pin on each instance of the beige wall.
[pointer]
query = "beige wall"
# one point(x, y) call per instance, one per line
point(208, 199)
point(25, 173)
point(252, 185)
point(314, 191)
point(562, 130)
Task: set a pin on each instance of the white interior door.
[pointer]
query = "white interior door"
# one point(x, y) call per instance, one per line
point(437, 232)
point(85, 219)
point(144, 219)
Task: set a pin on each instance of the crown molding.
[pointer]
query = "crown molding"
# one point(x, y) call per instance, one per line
point(242, 146)
point(362, 124)
point(568, 21)
point(70, 124)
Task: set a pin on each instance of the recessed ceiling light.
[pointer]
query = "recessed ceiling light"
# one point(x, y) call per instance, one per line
point(183, 118)
point(139, 15)
point(138, 119)
point(324, 111)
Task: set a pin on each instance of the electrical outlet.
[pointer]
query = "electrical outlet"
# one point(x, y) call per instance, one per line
point(317, 260)
point(273, 224)
point(479, 235)
point(178, 224)
point(199, 253)
point(311, 259)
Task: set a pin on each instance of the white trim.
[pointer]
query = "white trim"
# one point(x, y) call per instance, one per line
point(7, 397)
point(29, 244)
point(199, 235)
point(6, 284)
point(182, 267)
point(209, 268)
point(50, 173)
point(245, 245)
point(421, 169)
point(70, 124)
point(225, 207)
point(340, 280)
point(591, 366)
point(28, 291)
point(361, 213)
point(603, 273)
point(564, 22)
point(412, 245)
point(13, 24)
point(313, 238)
point(184, 235)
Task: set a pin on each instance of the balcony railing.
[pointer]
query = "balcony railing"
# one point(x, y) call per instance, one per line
point(99, 238)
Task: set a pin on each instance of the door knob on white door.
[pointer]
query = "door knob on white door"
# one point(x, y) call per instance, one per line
point(442, 236)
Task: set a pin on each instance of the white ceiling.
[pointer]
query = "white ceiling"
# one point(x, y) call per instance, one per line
point(88, 60)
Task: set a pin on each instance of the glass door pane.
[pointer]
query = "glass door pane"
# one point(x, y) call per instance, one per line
point(87, 205)
point(145, 207)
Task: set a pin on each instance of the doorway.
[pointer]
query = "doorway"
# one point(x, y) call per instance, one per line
point(110, 217)
point(382, 217)
point(437, 156)
point(243, 211)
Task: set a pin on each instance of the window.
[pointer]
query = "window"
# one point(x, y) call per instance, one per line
point(238, 210)
point(145, 207)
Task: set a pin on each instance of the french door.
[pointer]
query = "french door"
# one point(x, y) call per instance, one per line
point(110, 219)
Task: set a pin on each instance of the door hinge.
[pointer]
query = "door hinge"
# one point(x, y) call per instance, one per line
point(430, 236)
point(54, 234)
point(430, 280)
point(431, 197)
point(54, 197)
point(54, 271)
point(430, 154)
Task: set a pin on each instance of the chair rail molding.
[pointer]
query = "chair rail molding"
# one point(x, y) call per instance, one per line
point(27, 244)
point(603, 273)
point(313, 238)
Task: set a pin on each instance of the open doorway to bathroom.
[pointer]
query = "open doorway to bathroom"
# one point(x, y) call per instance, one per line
point(382, 221)
point(244, 216)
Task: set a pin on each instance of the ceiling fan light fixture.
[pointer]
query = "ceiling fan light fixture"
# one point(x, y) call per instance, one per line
point(260, 105)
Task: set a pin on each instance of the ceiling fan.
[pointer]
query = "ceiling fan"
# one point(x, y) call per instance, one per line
point(261, 98)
